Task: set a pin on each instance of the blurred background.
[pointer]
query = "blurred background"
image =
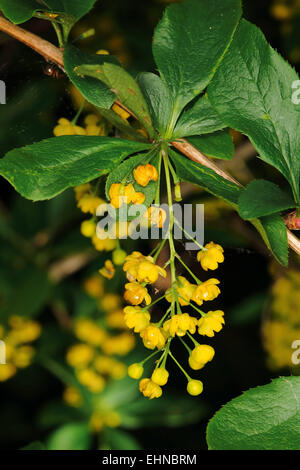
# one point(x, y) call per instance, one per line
point(38, 281)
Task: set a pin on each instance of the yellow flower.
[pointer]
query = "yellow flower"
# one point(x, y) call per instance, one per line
point(184, 289)
point(121, 112)
point(150, 389)
point(110, 366)
point(211, 256)
point(88, 228)
point(81, 190)
point(88, 331)
point(135, 371)
point(153, 337)
point(154, 216)
point(96, 423)
point(143, 174)
point(211, 323)
point(22, 356)
point(93, 125)
point(160, 376)
point(138, 198)
point(102, 52)
point(115, 319)
point(112, 419)
point(194, 387)
point(89, 203)
point(80, 355)
point(72, 396)
point(120, 344)
point(118, 257)
point(142, 268)
point(135, 294)
point(65, 127)
point(92, 120)
point(23, 331)
point(201, 355)
point(7, 371)
point(137, 319)
point(90, 379)
point(108, 269)
point(108, 244)
point(180, 324)
point(94, 286)
point(120, 194)
point(110, 302)
point(208, 290)
point(282, 12)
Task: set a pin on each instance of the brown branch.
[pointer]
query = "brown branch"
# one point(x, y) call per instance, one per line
point(54, 54)
point(68, 266)
point(39, 45)
point(193, 154)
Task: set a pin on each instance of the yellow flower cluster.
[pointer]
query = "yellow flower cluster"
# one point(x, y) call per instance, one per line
point(92, 358)
point(282, 325)
point(15, 347)
point(124, 194)
point(93, 126)
point(142, 270)
point(284, 10)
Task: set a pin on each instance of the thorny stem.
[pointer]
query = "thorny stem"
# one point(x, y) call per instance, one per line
point(54, 54)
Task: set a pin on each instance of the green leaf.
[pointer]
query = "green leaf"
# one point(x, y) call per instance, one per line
point(34, 290)
point(76, 8)
point(94, 92)
point(116, 439)
point(252, 92)
point(262, 418)
point(122, 124)
point(217, 145)
point(201, 118)
point(189, 44)
point(273, 231)
point(19, 11)
point(125, 88)
point(55, 414)
point(195, 173)
point(261, 198)
point(71, 436)
point(271, 228)
point(45, 169)
point(159, 100)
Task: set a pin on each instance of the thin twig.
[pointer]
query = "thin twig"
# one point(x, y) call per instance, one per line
point(54, 54)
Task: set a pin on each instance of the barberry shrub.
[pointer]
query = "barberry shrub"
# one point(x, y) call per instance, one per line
point(150, 132)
